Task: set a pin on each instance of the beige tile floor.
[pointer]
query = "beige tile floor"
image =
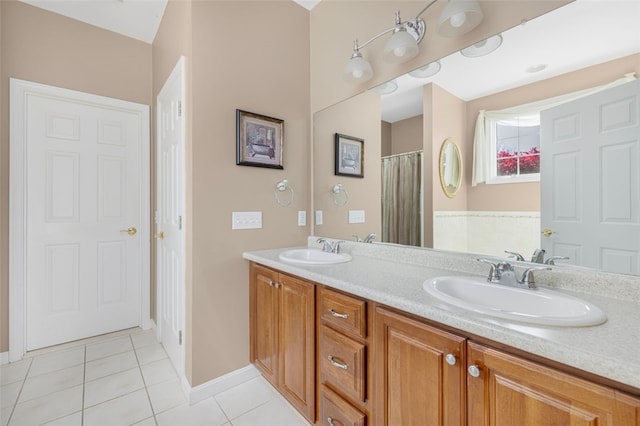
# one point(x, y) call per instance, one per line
point(125, 378)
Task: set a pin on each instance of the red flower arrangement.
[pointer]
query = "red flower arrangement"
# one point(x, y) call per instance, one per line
point(508, 162)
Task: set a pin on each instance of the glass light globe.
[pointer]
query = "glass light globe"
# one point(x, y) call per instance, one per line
point(458, 19)
point(358, 70)
point(401, 47)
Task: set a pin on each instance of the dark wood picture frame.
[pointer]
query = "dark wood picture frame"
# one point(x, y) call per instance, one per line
point(349, 156)
point(259, 140)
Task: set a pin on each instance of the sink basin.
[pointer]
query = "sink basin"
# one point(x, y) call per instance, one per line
point(538, 306)
point(313, 257)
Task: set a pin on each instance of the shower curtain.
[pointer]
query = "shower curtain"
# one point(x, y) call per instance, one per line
point(401, 198)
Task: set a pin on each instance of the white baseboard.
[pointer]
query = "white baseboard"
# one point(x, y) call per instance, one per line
point(220, 384)
point(4, 358)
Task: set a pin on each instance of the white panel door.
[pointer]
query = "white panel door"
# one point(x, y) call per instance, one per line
point(82, 192)
point(170, 215)
point(590, 180)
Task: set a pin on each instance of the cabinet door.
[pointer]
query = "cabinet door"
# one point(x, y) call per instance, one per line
point(513, 391)
point(297, 338)
point(415, 385)
point(263, 300)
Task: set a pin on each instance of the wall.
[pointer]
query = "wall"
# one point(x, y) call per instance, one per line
point(47, 48)
point(406, 135)
point(359, 117)
point(251, 55)
point(174, 39)
point(385, 142)
point(335, 24)
point(526, 196)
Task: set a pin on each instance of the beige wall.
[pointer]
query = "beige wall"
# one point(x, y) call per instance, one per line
point(359, 117)
point(406, 135)
point(48, 48)
point(385, 142)
point(526, 196)
point(252, 56)
point(335, 24)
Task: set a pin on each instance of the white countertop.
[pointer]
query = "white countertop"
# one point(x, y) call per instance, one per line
point(610, 350)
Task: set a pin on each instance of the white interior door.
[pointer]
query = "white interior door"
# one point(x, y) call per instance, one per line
point(170, 215)
point(78, 215)
point(590, 180)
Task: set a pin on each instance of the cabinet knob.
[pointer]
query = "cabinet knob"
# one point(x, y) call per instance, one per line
point(474, 371)
point(270, 283)
point(276, 284)
point(332, 422)
point(336, 363)
point(451, 359)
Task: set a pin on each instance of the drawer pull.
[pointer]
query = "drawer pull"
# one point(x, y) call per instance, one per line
point(338, 314)
point(332, 422)
point(338, 364)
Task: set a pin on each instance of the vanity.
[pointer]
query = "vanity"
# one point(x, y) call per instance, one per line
point(362, 343)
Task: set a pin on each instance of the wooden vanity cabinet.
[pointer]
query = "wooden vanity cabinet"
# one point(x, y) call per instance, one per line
point(419, 373)
point(282, 330)
point(509, 390)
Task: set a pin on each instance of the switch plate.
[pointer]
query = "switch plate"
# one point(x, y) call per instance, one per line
point(318, 217)
point(302, 218)
point(246, 220)
point(356, 216)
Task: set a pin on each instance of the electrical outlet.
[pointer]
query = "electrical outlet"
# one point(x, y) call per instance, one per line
point(246, 220)
point(318, 217)
point(302, 218)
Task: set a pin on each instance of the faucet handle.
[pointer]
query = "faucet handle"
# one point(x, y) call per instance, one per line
point(336, 246)
point(495, 272)
point(527, 276)
point(552, 259)
point(326, 245)
point(358, 239)
point(518, 256)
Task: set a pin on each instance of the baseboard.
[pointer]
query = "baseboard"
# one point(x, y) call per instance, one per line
point(220, 384)
point(4, 358)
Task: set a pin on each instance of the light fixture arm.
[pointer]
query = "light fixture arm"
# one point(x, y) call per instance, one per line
point(425, 9)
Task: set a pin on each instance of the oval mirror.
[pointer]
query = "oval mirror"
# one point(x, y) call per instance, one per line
point(450, 167)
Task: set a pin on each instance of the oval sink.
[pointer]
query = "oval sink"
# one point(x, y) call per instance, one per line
point(313, 257)
point(537, 306)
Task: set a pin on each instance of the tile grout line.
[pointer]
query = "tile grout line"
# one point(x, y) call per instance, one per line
point(15, 404)
point(226, 416)
point(144, 382)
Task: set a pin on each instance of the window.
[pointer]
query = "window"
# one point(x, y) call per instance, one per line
point(515, 149)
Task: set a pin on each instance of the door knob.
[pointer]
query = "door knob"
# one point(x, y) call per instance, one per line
point(160, 235)
point(130, 231)
point(547, 232)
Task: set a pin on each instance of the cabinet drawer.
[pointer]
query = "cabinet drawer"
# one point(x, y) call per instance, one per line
point(335, 411)
point(345, 313)
point(342, 363)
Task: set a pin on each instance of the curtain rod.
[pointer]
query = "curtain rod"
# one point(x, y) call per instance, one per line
point(420, 151)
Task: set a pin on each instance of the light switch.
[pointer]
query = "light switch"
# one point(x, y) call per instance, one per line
point(318, 217)
point(302, 218)
point(246, 220)
point(356, 216)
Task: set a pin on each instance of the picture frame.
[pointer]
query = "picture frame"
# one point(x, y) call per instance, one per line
point(259, 140)
point(349, 156)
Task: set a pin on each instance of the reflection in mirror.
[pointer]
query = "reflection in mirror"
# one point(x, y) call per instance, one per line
point(450, 167)
point(569, 49)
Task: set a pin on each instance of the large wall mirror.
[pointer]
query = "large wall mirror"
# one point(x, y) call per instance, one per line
point(581, 45)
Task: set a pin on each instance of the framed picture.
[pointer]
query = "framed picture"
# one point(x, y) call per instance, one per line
point(259, 140)
point(349, 156)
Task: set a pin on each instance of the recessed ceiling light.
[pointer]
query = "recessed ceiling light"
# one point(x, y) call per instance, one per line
point(426, 71)
point(386, 88)
point(536, 68)
point(483, 47)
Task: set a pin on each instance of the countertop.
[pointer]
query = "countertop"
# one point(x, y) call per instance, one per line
point(610, 350)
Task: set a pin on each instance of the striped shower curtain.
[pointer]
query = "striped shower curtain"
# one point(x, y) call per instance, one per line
point(401, 198)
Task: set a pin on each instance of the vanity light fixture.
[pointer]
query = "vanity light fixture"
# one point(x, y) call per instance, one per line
point(457, 18)
point(483, 47)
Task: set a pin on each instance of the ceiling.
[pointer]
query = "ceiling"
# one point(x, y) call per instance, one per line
point(580, 34)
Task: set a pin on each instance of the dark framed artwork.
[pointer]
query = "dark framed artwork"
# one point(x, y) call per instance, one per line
point(349, 156)
point(259, 140)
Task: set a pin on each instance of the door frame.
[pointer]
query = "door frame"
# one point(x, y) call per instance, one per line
point(20, 90)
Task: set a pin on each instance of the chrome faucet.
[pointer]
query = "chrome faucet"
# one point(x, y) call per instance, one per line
point(504, 273)
point(330, 246)
point(538, 256)
point(369, 238)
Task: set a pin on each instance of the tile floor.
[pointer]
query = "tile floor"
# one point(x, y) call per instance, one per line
point(125, 378)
